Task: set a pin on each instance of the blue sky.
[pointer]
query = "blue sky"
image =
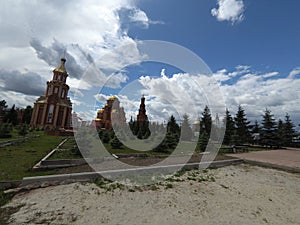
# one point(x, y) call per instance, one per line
point(267, 38)
point(252, 48)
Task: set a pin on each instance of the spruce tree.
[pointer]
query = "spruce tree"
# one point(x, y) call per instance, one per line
point(268, 135)
point(280, 132)
point(11, 116)
point(172, 126)
point(27, 114)
point(229, 132)
point(186, 130)
point(289, 131)
point(115, 143)
point(206, 121)
point(241, 127)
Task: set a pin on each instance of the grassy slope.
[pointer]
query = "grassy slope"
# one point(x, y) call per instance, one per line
point(16, 161)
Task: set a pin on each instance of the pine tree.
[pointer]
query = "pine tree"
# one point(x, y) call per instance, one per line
point(242, 127)
point(172, 126)
point(255, 128)
point(27, 114)
point(186, 130)
point(11, 116)
point(115, 143)
point(202, 141)
point(3, 107)
point(289, 131)
point(280, 132)
point(229, 132)
point(23, 130)
point(206, 121)
point(268, 135)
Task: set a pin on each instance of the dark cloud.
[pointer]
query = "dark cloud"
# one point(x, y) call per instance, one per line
point(25, 83)
point(51, 55)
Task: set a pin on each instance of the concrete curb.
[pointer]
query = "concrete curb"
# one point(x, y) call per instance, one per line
point(273, 166)
point(41, 181)
point(39, 164)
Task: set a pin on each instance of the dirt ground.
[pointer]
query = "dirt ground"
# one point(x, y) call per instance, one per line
point(240, 194)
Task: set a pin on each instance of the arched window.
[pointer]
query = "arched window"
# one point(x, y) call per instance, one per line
point(48, 91)
point(63, 93)
point(50, 114)
point(55, 90)
point(59, 77)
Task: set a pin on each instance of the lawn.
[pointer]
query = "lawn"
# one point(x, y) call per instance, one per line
point(17, 160)
point(15, 135)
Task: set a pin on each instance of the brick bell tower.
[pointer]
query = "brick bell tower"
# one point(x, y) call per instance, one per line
point(53, 110)
point(142, 116)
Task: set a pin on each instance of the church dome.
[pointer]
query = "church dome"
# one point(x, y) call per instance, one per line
point(197, 122)
point(61, 68)
point(112, 98)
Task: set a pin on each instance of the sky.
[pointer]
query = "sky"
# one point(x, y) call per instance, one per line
point(250, 47)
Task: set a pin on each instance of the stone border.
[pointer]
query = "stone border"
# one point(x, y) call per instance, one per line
point(273, 166)
point(14, 141)
point(39, 166)
point(43, 181)
point(10, 184)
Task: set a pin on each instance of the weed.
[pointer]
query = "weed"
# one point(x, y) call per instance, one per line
point(169, 185)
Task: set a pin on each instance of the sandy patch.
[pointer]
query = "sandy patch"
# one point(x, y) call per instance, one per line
point(240, 194)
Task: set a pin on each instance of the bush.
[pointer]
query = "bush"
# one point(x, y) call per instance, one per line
point(106, 138)
point(23, 130)
point(115, 143)
point(5, 130)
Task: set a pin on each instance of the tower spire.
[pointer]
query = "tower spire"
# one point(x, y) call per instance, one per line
point(61, 68)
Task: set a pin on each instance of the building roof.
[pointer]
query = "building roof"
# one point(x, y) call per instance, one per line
point(112, 98)
point(61, 68)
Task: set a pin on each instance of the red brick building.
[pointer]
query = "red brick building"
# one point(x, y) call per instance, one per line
point(110, 113)
point(142, 116)
point(53, 110)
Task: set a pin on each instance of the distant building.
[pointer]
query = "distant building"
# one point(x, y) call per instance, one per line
point(109, 114)
point(76, 120)
point(20, 113)
point(196, 127)
point(53, 110)
point(142, 116)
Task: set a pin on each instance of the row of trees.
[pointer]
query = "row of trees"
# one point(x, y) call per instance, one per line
point(13, 117)
point(270, 132)
point(239, 131)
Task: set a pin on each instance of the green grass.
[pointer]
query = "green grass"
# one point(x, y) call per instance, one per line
point(16, 161)
point(67, 151)
point(65, 154)
point(69, 144)
point(15, 135)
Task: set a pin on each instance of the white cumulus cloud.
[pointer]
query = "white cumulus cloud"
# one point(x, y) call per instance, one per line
point(229, 10)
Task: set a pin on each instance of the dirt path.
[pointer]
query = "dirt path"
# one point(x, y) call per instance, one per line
point(240, 194)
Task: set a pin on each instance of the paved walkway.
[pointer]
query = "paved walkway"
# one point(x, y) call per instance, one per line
point(287, 158)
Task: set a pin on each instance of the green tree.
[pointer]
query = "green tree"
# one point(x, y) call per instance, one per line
point(206, 121)
point(242, 127)
point(106, 137)
point(229, 132)
point(115, 143)
point(5, 130)
point(27, 114)
point(268, 134)
point(11, 116)
point(172, 126)
point(289, 131)
point(3, 107)
point(280, 132)
point(23, 130)
point(202, 141)
point(186, 130)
